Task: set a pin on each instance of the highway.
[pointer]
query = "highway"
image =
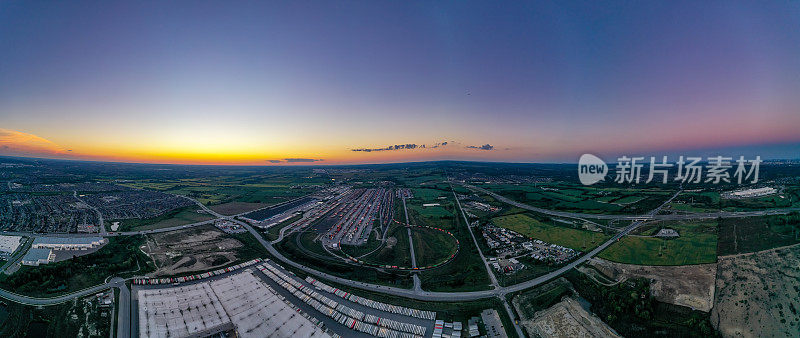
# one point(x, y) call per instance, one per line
point(416, 293)
point(439, 296)
point(649, 216)
point(495, 284)
point(21, 299)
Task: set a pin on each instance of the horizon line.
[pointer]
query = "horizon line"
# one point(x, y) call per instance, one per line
point(33, 158)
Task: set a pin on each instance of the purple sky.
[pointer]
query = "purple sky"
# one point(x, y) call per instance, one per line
point(254, 81)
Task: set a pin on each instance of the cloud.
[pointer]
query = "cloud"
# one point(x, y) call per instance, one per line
point(301, 160)
point(274, 161)
point(483, 147)
point(401, 147)
point(17, 143)
point(436, 145)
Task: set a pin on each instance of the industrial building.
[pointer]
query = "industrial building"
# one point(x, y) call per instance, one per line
point(35, 256)
point(241, 302)
point(68, 243)
point(748, 193)
point(9, 244)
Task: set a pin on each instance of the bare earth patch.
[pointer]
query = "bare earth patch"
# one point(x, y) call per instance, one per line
point(686, 285)
point(567, 319)
point(184, 251)
point(758, 294)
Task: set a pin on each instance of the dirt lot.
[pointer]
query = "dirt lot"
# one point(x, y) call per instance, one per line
point(198, 249)
point(688, 285)
point(758, 294)
point(567, 319)
point(233, 208)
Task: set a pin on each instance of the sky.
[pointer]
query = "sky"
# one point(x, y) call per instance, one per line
point(290, 82)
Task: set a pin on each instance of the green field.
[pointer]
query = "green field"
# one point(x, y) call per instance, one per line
point(440, 216)
point(428, 194)
point(581, 240)
point(173, 218)
point(751, 234)
point(265, 189)
point(573, 197)
point(398, 254)
point(466, 272)
point(432, 247)
point(697, 244)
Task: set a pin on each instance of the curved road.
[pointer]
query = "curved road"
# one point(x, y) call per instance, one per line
point(408, 293)
point(415, 293)
point(649, 216)
point(27, 300)
point(442, 296)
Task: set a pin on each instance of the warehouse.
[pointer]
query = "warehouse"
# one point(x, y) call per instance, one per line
point(9, 244)
point(34, 257)
point(241, 302)
point(68, 243)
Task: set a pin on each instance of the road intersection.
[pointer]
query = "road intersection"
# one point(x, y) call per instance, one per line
point(417, 293)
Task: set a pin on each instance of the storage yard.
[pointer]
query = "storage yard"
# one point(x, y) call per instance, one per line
point(239, 302)
point(259, 299)
point(351, 221)
point(358, 316)
point(330, 199)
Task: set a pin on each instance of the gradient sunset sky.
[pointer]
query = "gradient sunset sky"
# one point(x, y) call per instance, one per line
point(272, 82)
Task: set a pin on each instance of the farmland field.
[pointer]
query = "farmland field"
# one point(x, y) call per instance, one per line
point(177, 217)
point(742, 235)
point(697, 244)
point(266, 190)
point(571, 197)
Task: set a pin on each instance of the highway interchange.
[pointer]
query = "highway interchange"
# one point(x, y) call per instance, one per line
point(123, 327)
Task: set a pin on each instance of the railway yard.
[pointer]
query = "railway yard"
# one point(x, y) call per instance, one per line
point(352, 220)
